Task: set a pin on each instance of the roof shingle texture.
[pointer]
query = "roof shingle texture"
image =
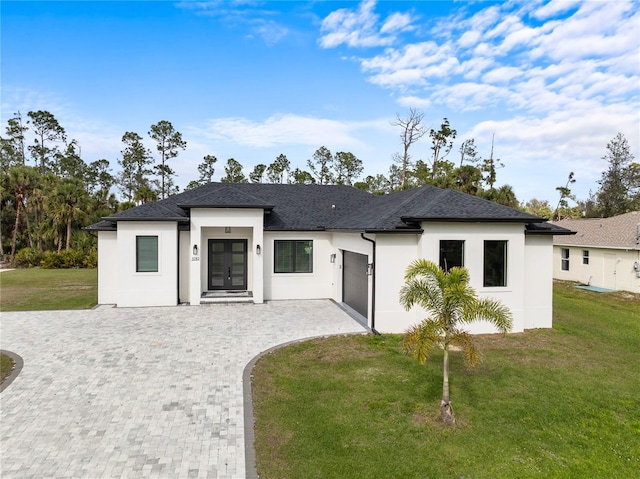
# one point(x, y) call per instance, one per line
point(317, 207)
point(622, 231)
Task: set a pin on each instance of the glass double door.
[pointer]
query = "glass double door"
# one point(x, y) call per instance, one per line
point(227, 264)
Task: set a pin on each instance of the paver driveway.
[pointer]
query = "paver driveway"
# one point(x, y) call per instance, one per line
point(141, 392)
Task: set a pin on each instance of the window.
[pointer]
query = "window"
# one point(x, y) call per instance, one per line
point(146, 254)
point(293, 256)
point(564, 261)
point(495, 263)
point(585, 256)
point(451, 254)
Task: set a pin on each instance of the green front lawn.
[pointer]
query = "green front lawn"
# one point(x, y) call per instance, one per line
point(46, 289)
point(546, 403)
point(6, 366)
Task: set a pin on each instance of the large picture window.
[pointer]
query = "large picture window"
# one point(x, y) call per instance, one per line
point(495, 263)
point(293, 256)
point(451, 254)
point(146, 254)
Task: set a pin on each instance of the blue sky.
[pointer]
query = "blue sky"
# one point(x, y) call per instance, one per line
point(554, 81)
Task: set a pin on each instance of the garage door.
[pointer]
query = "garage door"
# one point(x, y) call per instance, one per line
point(355, 282)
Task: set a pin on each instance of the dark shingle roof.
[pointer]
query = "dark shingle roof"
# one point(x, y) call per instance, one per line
point(335, 207)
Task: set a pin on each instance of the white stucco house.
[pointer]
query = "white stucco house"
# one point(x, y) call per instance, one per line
point(605, 252)
point(280, 242)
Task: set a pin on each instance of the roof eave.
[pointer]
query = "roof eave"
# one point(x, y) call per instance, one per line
point(246, 207)
point(471, 220)
point(179, 219)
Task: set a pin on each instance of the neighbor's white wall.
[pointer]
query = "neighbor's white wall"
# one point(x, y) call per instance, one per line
point(147, 289)
point(107, 267)
point(538, 283)
point(209, 223)
point(623, 278)
point(315, 285)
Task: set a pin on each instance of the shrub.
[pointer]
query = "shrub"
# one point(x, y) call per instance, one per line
point(71, 258)
point(91, 259)
point(27, 258)
point(51, 260)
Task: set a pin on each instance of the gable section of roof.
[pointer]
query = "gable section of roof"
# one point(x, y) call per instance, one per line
point(622, 231)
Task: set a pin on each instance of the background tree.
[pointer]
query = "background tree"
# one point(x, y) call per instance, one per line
point(69, 164)
point(233, 172)
point(565, 193)
point(206, 169)
point(376, 185)
point(66, 205)
point(490, 165)
point(441, 144)
point(451, 304)
point(348, 167)
point(301, 177)
point(468, 152)
point(168, 143)
point(21, 182)
point(321, 165)
point(136, 165)
point(47, 131)
point(620, 183)
point(257, 173)
point(278, 169)
point(411, 130)
point(12, 151)
point(539, 208)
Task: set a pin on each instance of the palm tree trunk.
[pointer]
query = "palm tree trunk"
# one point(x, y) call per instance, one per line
point(14, 238)
point(68, 245)
point(446, 413)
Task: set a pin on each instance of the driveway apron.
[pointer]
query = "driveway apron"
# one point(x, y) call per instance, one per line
point(141, 392)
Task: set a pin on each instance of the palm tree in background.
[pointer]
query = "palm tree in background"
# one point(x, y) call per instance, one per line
point(451, 304)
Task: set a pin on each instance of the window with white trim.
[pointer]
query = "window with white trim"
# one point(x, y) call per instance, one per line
point(564, 259)
point(585, 256)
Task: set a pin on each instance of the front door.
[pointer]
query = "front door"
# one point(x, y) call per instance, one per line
point(227, 264)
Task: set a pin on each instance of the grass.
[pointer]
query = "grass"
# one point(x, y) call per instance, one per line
point(546, 403)
point(6, 366)
point(47, 289)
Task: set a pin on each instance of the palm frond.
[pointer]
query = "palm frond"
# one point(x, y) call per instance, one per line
point(493, 311)
point(420, 339)
point(471, 352)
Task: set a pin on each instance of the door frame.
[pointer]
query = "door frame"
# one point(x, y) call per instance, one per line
point(227, 263)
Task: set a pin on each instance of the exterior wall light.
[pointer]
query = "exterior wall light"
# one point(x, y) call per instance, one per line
point(369, 269)
point(332, 258)
point(258, 250)
point(195, 250)
point(227, 229)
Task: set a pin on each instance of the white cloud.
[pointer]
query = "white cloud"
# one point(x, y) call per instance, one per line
point(288, 129)
point(554, 7)
point(361, 27)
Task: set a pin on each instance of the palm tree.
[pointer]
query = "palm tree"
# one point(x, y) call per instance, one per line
point(66, 206)
point(22, 180)
point(451, 304)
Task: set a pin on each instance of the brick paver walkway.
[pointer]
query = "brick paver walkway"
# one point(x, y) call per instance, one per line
point(141, 392)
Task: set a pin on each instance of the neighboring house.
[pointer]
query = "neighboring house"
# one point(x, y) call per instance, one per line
point(282, 242)
point(605, 252)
